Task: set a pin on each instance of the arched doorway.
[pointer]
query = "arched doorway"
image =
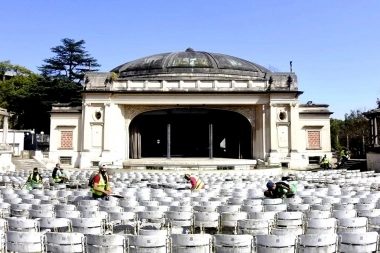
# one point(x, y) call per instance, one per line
point(191, 131)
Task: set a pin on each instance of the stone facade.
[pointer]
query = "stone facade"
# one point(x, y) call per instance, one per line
point(5, 149)
point(282, 131)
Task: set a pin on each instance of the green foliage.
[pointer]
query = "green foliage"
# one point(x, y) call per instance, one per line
point(30, 96)
point(351, 133)
point(113, 76)
point(14, 70)
point(32, 106)
point(335, 126)
point(71, 60)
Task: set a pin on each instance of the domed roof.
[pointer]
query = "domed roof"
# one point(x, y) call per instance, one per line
point(189, 62)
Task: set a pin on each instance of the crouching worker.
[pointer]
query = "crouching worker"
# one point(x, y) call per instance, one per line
point(100, 184)
point(196, 183)
point(280, 190)
point(33, 179)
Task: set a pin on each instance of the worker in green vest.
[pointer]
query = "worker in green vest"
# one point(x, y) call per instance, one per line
point(343, 156)
point(100, 185)
point(33, 179)
point(196, 183)
point(325, 164)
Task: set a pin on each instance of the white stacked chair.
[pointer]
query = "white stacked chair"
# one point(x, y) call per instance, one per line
point(88, 226)
point(359, 242)
point(67, 214)
point(106, 244)
point(254, 227)
point(233, 243)
point(123, 222)
point(353, 225)
point(203, 220)
point(20, 210)
point(3, 241)
point(276, 243)
point(195, 243)
point(56, 224)
point(315, 243)
point(26, 241)
point(66, 243)
point(321, 226)
point(23, 225)
point(147, 244)
point(180, 222)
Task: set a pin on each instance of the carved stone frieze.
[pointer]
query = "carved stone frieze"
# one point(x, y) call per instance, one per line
point(247, 111)
point(132, 111)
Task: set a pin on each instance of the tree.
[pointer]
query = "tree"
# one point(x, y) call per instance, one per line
point(335, 127)
point(29, 96)
point(71, 60)
point(14, 79)
point(32, 106)
point(354, 132)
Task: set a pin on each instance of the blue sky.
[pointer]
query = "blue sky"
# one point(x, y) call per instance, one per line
point(334, 44)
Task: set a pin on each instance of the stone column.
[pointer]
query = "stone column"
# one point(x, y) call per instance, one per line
point(263, 116)
point(5, 129)
point(107, 132)
point(86, 127)
point(273, 128)
point(127, 124)
point(375, 131)
point(294, 118)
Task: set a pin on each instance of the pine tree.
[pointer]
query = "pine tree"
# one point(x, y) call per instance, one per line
point(71, 60)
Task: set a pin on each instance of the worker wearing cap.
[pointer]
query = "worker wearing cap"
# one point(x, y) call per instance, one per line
point(196, 183)
point(101, 188)
point(325, 164)
point(280, 190)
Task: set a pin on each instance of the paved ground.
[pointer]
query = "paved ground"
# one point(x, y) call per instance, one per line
point(29, 164)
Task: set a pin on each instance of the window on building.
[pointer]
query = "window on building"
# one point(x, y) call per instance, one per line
point(65, 160)
point(314, 140)
point(282, 116)
point(66, 139)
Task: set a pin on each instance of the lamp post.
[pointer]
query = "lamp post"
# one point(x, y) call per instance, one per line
point(32, 132)
point(42, 140)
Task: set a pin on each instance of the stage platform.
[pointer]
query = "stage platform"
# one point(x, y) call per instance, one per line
point(190, 164)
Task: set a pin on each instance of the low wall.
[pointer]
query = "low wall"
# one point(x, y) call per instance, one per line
point(373, 162)
point(6, 161)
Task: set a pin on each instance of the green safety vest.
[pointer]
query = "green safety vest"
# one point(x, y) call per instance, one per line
point(199, 184)
point(57, 178)
point(325, 160)
point(38, 178)
point(102, 185)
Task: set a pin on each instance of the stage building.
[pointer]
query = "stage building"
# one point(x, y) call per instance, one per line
point(190, 109)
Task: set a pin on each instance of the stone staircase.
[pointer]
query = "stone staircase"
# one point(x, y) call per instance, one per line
point(28, 164)
point(355, 164)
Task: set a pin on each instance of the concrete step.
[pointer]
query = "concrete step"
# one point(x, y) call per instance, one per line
point(27, 164)
point(355, 165)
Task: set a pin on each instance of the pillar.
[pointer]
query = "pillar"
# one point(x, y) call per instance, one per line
point(107, 131)
point(127, 140)
point(273, 128)
point(5, 129)
point(294, 118)
point(168, 141)
point(86, 134)
point(263, 116)
point(375, 131)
